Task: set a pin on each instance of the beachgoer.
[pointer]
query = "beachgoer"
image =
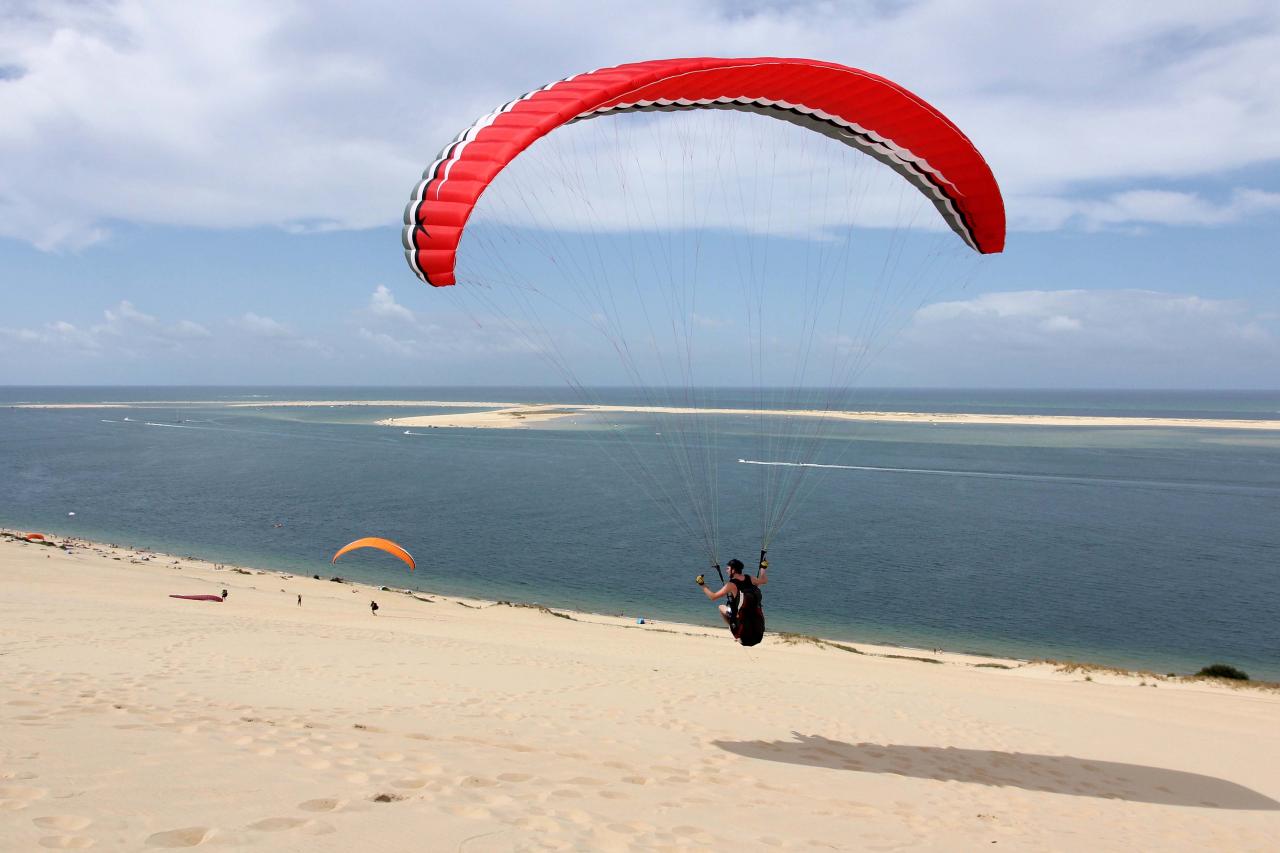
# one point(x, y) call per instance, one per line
point(224, 595)
point(299, 600)
point(744, 613)
point(373, 607)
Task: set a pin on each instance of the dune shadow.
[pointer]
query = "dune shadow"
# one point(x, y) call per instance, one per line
point(1058, 774)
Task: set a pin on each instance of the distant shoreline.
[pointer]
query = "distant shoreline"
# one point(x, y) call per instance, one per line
point(508, 415)
point(499, 416)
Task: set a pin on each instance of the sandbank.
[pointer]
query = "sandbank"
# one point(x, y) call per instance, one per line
point(508, 416)
point(266, 404)
point(132, 720)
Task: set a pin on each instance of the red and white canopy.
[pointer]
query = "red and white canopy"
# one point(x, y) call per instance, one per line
point(851, 106)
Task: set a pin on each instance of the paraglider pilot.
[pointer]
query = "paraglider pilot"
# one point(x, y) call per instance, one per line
point(744, 613)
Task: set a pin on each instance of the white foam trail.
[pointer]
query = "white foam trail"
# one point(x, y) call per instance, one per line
point(1000, 475)
point(170, 426)
point(908, 470)
point(105, 421)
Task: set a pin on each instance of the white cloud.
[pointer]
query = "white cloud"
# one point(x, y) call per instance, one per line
point(1148, 207)
point(189, 329)
point(125, 331)
point(392, 346)
point(268, 337)
point(319, 116)
point(264, 327)
point(58, 336)
point(1093, 337)
point(383, 304)
point(126, 322)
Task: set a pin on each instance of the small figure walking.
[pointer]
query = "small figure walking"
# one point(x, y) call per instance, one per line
point(299, 600)
point(224, 595)
point(373, 607)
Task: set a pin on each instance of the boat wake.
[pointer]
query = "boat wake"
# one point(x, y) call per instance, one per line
point(1039, 478)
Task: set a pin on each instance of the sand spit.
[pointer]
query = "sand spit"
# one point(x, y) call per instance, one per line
point(130, 721)
point(266, 404)
point(517, 416)
point(500, 415)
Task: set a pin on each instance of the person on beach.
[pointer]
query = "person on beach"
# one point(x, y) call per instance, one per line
point(224, 595)
point(299, 600)
point(744, 611)
point(373, 607)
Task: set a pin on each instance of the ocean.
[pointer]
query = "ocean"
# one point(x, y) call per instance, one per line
point(1154, 548)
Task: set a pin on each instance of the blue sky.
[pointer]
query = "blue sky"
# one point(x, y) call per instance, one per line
point(213, 195)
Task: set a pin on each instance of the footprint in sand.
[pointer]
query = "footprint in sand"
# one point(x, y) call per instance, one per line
point(325, 804)
point(278, 824)
point(14, 797)
point(409, 783)
point(471, 811)
point(514, 777)
point(188, 836)
point(67, 842)
point(318, 827)
point(66, 823)
point(477, 782)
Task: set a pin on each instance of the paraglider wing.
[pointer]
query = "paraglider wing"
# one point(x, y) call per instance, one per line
point(855, 107)
point(382, 545)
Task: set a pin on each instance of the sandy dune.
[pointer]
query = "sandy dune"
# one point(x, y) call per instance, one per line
point(133, 721)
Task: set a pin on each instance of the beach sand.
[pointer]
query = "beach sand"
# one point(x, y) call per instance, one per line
point(134, 721)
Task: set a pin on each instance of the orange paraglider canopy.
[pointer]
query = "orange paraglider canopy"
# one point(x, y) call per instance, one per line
point(35, 536)
point(382, 545)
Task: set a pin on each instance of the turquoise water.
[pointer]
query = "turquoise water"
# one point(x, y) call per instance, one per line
point(1156, 548)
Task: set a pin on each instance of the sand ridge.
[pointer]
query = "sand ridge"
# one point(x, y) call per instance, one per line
point(132, 721)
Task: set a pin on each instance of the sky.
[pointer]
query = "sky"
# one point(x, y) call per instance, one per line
point(212, 193)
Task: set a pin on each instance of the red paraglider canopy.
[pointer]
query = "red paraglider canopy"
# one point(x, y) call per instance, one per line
point(851, 106)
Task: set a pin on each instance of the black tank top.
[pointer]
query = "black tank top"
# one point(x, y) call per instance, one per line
point(747, 593)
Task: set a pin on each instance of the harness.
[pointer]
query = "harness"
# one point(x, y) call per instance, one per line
point(746, 610)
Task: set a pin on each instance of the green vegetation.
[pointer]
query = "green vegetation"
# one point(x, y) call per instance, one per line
point(1222, 670)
